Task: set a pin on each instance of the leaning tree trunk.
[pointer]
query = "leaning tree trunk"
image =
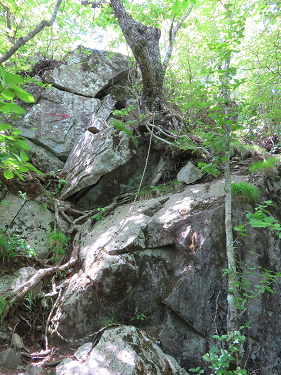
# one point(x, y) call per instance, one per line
point(144, 43)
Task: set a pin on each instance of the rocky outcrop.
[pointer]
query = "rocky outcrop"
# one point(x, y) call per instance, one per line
point(57, 119)
point(94, 155)
point(29, 221)
point(166, 262)
point(89, 72)
point(123, 350)
point(126, 178)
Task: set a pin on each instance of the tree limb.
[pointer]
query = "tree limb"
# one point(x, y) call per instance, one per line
point(172, 37)
point(23, 40)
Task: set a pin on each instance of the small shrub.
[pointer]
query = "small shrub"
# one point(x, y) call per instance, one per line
point(7, 248)
point(265, 167)
point(58, 243)
point(245, 191)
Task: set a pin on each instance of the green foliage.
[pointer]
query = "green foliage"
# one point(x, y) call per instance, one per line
point(245, 191)
point(265, 167)
point(260, 219)
point(141, 317)
point(13, 157)
point(9, 246)
point(30, 301)
point(109, 321)
point(155, 190)
point(244, 294)
point(58, 244)
point(2, 308)
point(245, 149)
point(99, 215)
point(121, 126)
point(61, 182)
point(219, 359)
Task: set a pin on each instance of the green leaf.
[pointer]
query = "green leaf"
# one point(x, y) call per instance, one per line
point(5, 127)
point(23, 169)
point(4, 156)
point(22, 94)
point(175, 6)
point(8, 174)
point(7, 95)
point(269, 219)
point(19, 175)
point(10, 78)
point(24, 156)
point(12, 107)
point(22, 144)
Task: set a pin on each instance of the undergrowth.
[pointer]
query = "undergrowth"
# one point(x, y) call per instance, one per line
point(58, 243)
point(245, 191)
point(244, 149)
point(265, 167)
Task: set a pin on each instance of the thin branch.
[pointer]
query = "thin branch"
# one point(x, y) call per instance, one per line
point(23, 40)
point(172, 37)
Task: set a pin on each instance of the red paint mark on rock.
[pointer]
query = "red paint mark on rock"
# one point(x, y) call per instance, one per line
point(62, 115)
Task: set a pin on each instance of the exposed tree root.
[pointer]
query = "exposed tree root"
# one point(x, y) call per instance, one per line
point(16, 295)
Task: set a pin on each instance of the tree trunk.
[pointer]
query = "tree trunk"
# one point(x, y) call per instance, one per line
point(144, 43)
point(232, 317)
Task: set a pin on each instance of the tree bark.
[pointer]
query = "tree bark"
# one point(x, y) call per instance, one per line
point(144, 43)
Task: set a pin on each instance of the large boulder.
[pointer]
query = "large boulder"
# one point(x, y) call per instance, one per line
point(123, 350)
point(89, 72)
point(165, 262)
point(124, 179)
point(94, 155)
point(57, 119)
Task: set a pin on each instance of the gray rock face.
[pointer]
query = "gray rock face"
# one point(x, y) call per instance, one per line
point(96, 124)
point(121, 180)
point(166, 263)
point(31, 222)
point(34, 370)
point(94, 155)
point(87, 72)
point(43, 159)
point(82, 352)
point(10, 359)
point(124, 350)
point(57, 119)
point(189, 173)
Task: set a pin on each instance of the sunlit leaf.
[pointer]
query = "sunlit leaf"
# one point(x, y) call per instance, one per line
point(8, 174)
